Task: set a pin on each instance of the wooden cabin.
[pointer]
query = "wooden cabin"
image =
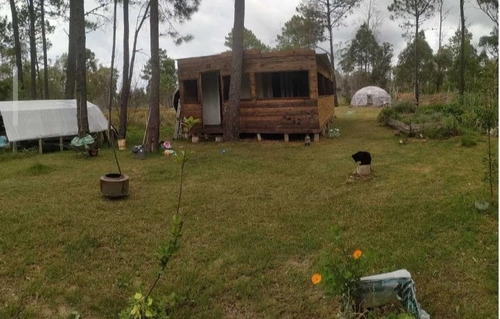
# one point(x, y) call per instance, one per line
point(286, 92)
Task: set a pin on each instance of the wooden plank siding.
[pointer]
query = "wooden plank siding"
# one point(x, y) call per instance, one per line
point(263, 115)
point(279, 116)
point(326, 110)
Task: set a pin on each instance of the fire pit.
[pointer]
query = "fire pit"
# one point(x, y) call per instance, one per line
point(114, 185)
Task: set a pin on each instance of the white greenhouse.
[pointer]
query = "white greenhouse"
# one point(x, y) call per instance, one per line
point(371, 96)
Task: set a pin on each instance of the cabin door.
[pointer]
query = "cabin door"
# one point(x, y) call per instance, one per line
point(211, 104)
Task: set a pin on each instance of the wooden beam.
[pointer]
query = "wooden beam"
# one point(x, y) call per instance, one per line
point(40, 150)
point(253, 86)
point(287, 138)
point(60, 143)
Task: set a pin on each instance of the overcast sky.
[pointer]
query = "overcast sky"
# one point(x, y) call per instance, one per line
point(265, 18)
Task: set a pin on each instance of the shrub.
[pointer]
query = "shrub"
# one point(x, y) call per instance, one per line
point(386, 114)
point(432, 132)
point(454, 108)
point(404, 107)
point(468, 140)
point(450, 126)
point(341, 273)
point(396, 111)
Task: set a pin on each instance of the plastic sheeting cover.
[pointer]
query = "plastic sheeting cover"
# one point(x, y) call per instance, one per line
point(26, 120)
point(385, 288)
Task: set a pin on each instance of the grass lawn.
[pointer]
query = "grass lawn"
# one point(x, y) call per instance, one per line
point(257, 221)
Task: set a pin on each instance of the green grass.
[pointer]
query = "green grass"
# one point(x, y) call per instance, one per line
point(257, 221)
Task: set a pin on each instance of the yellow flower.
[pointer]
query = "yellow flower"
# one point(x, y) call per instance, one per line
point(316, 279)
point(357, 253)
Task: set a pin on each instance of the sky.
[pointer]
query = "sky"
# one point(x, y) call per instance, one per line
point(264, 18)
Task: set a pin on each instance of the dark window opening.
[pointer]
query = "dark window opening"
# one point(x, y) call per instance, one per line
point(325, 85)
point(245, 86)
point(190, 91)
point(282, 84)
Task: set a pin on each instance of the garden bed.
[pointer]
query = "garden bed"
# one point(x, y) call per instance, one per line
point(411, 128)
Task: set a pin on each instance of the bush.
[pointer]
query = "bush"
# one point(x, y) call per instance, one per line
point(454, 108)
point(386, 114)
point(396, 111)
point(446, 127)
point(468, 140)
point(451, 118)
point(404, 107)
point(450, 126)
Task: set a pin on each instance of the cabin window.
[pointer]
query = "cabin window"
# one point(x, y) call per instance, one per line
point(245, 86)
point(190, 91)
point(282, 84)
point(325, 85)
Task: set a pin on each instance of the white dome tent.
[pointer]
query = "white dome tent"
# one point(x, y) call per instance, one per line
point(372, 96)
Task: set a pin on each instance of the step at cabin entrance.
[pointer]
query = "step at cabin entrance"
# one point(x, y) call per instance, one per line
point(211, 103)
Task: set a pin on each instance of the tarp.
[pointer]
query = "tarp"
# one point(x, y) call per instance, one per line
point(371, 96)
point(28, 120)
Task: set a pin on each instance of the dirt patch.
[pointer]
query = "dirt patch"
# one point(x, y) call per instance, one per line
point(297, 265)
point(237, 311)
point(421, 169)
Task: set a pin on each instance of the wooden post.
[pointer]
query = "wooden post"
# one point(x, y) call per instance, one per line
point(60, 143)
point(259, 137)
point(316, 137)
point(14, 147)
point(253, 86)
point(287, 139)
point(40, 146)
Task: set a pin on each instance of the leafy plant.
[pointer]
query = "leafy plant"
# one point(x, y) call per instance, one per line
point(396, 110)
point(341, 273)
point(143, 306)
point(489, 119)
point(487, 114)
point(469, 139)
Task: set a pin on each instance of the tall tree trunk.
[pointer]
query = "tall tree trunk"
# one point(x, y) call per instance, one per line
point(231, 117)
point(46, 95)
point(441, 19)
point(417, 63)
point(440, 72)
point(125, 83)
point(153, 129)
point(332, 59)
point(69, 87)
point(33, 59)
point(111, 79)
point(134, 47)
point(368, 19)
point(17, 44)
point(461, 88)
point(81, 69)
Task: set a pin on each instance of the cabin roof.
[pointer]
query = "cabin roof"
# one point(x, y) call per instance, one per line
point(255, 54)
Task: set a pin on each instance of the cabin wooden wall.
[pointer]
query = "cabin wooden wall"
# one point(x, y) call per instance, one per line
point(326, 109)
point(277, 115)
point(291, 116)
